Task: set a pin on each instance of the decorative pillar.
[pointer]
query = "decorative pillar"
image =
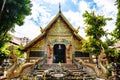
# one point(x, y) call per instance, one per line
point(52, 53)
point(28, 55)
point(67, 52)
point(48, 51)
point(70, 51)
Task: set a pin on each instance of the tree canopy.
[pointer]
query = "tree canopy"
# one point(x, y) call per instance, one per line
point(116, 32)
point(12, 12)
point(94, 32)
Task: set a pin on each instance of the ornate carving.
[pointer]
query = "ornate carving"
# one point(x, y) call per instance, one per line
point(102, 57)
point(100, 69)
point(12, 72)
point(59, 41)
point(37, 49)
point(78, 45)
point(38, 46)
point(59, 28)
point(49, 51)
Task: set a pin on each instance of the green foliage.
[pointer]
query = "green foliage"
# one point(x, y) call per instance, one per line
point(92, 46)
point(95, 24)
point(116, 32)
point(94, 31)
point(4, 53)
point(111, 52)
point(18, 52)
point(4, 38)
point(3, 47)
point(13, 13)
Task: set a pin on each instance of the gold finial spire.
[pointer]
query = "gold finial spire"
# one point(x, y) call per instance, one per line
point(59, 7)
point(78, 29)
point(41, 29)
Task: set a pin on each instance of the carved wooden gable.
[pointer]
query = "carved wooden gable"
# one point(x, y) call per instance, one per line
point(59, 27)
point(38, 46)
point(78, 45)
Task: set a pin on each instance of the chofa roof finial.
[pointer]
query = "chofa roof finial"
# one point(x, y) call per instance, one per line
point(59, 7)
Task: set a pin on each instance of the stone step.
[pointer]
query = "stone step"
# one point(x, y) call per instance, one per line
point(67, 66)
point(78, 73)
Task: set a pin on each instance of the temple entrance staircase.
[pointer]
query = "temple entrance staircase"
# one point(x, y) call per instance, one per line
point(78, 72)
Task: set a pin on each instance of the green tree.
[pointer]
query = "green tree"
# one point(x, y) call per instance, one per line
point(111, 52)
point(12, 12)
point(4, 51)
point(94, 32)
point(116, 32)
point(18, 52)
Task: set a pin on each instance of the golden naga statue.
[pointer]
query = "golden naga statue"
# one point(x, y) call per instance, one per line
point(12, 72)
point(100, 69)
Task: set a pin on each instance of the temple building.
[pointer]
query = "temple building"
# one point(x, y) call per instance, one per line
point(58, 42)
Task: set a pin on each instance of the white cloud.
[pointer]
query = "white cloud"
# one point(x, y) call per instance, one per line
point(40, 17)
point(83, 6)
point(108, 9)
point(55, 1)
point(75, 18)
point(74, 1)
point(107, 5)
point(29, 29)
point(42, 14)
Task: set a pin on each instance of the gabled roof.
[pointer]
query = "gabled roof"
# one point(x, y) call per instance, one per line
point(39, 37)
point(63, 17)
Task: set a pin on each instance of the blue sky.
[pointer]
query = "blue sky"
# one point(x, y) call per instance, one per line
point(43, 11)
